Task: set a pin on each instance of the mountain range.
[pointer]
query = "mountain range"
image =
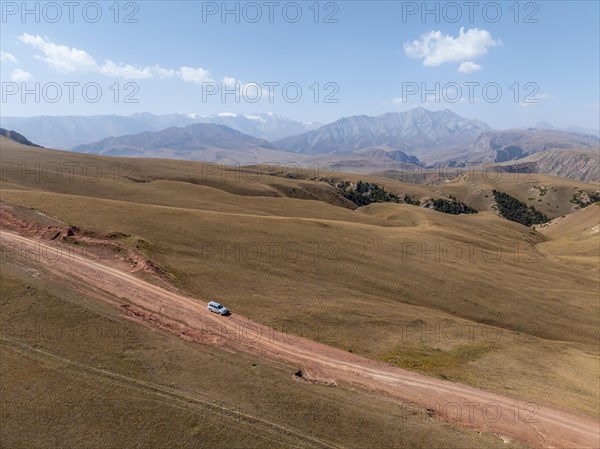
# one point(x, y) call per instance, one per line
point(64, 132)
point(581, 165)
point(265, 125)
point(362, 143)
point(200, 141)
point(419, 132)
point(433, 137)
point(508, 145)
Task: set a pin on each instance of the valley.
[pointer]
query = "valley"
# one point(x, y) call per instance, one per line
point(324, 224)
point(426, 287)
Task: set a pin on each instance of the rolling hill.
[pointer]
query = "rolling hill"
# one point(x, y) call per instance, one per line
point(406, 276)
point(573, 239)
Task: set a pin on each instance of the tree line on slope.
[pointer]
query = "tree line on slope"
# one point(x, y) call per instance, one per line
point(515, 210)
point(365, 193)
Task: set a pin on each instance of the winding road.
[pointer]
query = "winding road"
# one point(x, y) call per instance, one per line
point(538, 425)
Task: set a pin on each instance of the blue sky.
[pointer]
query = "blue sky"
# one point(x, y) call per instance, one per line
point(359, 57)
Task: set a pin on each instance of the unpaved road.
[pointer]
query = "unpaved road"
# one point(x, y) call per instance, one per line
point(538, 425)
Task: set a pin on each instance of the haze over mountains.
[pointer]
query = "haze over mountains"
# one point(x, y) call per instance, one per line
point(419, 132)
point(569, 129)
point(64, 132)
point(69, 131)
point(508, 145)
point(265, 125)
point(199, 141)
point(433, 136)
point(362, 143)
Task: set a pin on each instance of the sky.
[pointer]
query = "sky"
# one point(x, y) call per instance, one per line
point(510, 64)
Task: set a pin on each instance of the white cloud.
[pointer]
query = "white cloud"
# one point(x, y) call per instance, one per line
point(195, 75)
point(162, 73)
point(61, 58)
point(469, 67)
point(229, 81)
point(19, 75)
point(125, 71)
point(66, 60)
point(8, 58)
point(435, 48)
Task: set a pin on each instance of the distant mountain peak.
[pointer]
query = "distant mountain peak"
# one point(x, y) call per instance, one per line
point(177, 141)
point(266, 125)
point(544, 125)
point(417, 132)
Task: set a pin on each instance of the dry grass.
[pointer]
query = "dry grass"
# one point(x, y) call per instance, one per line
point(367, 280)
point(75, 373)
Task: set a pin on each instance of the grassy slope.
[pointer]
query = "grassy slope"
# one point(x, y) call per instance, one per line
point(573, 239)
point(65, 390)
point(548, 194)
point(358, 282)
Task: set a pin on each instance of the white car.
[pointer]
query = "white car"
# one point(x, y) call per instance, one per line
point(217, 307)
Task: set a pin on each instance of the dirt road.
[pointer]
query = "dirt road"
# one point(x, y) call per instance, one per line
point(538, 425)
